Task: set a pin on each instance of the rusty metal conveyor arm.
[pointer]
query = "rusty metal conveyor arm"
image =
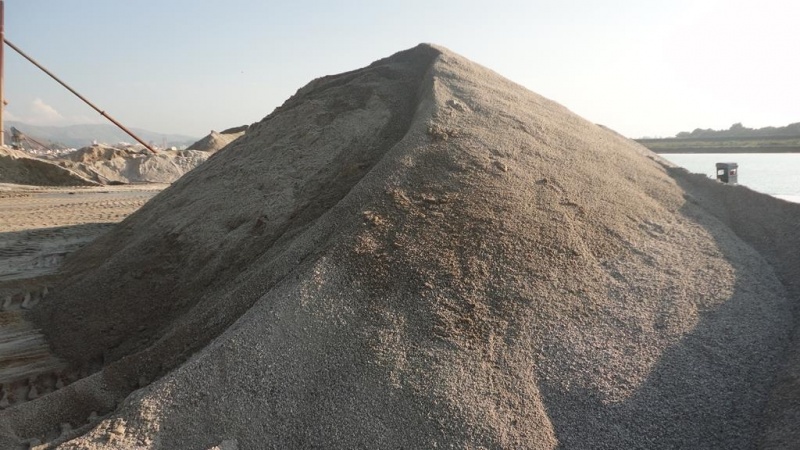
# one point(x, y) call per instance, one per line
point(102, 113)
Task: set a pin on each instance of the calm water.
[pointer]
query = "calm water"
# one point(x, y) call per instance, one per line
point(776, 174)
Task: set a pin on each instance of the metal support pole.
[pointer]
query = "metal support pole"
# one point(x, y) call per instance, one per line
point(102, 113)
point(2, 73)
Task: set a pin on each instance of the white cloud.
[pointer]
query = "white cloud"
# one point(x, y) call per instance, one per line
point(44, 114)
point(39, 112)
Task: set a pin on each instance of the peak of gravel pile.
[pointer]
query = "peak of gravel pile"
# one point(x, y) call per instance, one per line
point(422, 254)
point(216, 141)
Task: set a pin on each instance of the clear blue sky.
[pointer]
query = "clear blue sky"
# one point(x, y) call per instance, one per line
point(641, 67)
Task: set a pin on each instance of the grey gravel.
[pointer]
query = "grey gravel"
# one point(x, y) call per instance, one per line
point(423, 254)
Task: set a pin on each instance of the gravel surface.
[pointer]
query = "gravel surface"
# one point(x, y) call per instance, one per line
point(422, 254)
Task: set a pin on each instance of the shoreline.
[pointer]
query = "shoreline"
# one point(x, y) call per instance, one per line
point(724, 150)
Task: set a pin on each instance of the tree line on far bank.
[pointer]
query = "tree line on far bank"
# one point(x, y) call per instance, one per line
point(738, 130)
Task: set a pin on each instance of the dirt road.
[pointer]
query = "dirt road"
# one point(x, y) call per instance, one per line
point(39, 226)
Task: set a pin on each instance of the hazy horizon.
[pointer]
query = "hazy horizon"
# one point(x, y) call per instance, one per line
point(187, 67)
point(104, 123)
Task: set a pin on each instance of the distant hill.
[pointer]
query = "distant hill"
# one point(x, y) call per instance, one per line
point(82, 135)
point(738, 130)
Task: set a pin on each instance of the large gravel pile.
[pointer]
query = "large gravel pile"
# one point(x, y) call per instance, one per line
point(422, 254)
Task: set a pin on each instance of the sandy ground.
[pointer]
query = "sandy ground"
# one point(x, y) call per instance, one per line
point(39, 226)
point(36, 207)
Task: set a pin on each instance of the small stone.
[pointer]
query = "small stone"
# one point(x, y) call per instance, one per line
point(4, 403)
point(228, 444)
point(455, 104)
point(30, 300)
point(33, 393)
point(119, 428)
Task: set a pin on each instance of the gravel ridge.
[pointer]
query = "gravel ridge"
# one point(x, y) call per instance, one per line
point(423, 254)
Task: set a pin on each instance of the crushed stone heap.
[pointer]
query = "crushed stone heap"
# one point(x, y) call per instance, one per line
point(110, 165)
point(98, 165)
point(216, 141)
point(423, 254)
point(18, 167)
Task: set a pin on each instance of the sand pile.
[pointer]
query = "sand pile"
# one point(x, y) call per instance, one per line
point(423, 254)
point(110, 165)
point(215, 141)
point(98, 164)
point(21, 168)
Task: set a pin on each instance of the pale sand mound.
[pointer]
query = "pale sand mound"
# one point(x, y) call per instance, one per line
point(109, 165)
point(98, 164)
point(21, 168)
point(215, 142)
point(423, 254)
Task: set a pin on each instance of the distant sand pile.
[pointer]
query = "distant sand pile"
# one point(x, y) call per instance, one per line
point(109, 165)
point(21, 168)
point(422, 254)
point(215, 142)
point(98, 164)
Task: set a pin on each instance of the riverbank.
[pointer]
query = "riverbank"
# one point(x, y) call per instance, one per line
point(723, 145)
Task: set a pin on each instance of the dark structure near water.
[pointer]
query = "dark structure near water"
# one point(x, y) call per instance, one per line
point(728, 172)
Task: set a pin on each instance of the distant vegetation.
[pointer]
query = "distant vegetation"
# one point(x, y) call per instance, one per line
point(738, 130)
point(736, 139)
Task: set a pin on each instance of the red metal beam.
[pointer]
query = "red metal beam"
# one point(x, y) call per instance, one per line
point(2, 73)
point(102, 113)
